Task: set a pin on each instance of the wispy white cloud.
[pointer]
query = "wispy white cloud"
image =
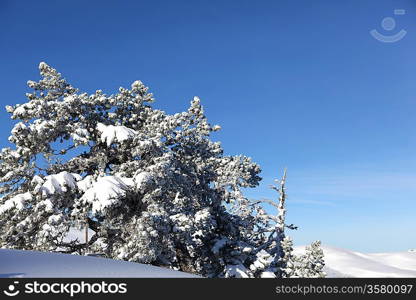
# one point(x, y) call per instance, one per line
point(313, 202)
point(357, 184)
point(331, 187)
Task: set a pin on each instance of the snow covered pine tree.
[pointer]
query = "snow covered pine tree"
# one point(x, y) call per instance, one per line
point(152, 187)
point(311, 264)
point(275, 257)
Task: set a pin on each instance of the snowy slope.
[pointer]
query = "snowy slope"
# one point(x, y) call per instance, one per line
point(339, 263)
point(18, 263)
point(402, 260)
point(346, 263)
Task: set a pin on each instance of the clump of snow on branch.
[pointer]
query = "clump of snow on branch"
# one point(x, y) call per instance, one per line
point(16, 202)
point(58, 183)
point(111, 133)
point(105, 193)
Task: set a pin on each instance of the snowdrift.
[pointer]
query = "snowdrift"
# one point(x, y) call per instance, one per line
point(19, 263)
point(339, 263)
point(346, 263)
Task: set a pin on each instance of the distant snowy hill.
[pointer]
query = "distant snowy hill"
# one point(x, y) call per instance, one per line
point(18, 263)
point(346, 263)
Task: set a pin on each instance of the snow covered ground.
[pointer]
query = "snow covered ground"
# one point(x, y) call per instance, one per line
point(18, 263)
point(346, 263)
point(339, 263)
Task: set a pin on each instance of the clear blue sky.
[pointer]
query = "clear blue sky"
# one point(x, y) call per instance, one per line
point(297, 84)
